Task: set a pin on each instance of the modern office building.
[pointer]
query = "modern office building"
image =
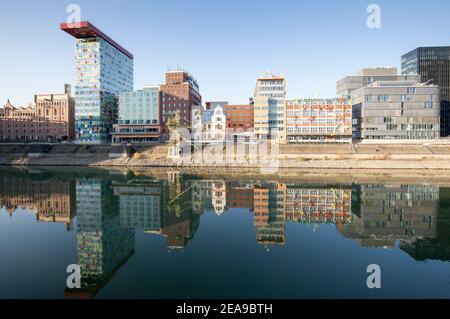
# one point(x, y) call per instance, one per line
point(139, 117)
point(51, 117)
point(178, 94)
point(367, 76)
point(432, 64)
point(103, 69)
point(396, 110)
point(319, 120)
point(387, 106)
point(270, 108)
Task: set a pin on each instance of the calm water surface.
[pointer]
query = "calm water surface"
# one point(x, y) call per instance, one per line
point(171, 235)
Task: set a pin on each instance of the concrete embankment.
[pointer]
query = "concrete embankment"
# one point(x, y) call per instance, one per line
point(336, 157)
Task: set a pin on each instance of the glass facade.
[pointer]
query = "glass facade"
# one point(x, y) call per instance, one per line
point(395, 110)
point(432, 64)
point(102, 71)
point(139, 117)
point(141, 107)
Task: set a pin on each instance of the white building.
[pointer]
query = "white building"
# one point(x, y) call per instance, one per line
point(208, 126)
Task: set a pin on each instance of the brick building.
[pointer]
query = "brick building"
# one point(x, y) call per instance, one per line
point(178, 94)
point(50, 117)
point(240, 116)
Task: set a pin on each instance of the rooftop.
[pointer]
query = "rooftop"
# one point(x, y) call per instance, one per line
point(378, 71)
point(85, 30)
point(271, 78)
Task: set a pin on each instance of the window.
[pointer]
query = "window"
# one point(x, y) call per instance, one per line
point(383, 98)
point(411, 90)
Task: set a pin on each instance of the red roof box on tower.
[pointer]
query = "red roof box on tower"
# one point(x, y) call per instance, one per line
point(84, 29)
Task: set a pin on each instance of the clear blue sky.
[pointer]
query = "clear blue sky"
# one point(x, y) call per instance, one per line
point(224, 44)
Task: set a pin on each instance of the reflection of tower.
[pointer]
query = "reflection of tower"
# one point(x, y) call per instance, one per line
point(179, 223)
point(103, 245)
point(270, 213)
point(383, 214)
point(219, 196)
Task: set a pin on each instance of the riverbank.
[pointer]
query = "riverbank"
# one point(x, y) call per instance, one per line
point(333, 157)
point(321, 177)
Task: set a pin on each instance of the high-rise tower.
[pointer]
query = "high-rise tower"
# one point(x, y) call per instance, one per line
point(103, 69)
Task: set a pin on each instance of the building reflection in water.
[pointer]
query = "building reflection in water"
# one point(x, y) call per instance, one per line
point(434, 248)
point(51, 200)
point(103, 244)
point(111, 209)
point(270, 213)
point(383, 214)
point(317, 205)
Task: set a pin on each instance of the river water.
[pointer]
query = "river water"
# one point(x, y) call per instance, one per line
point(166, 234)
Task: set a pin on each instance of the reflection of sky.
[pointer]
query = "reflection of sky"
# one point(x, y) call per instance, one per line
point(34, 256)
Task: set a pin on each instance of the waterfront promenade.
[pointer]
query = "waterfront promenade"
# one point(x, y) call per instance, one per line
point(302, 156)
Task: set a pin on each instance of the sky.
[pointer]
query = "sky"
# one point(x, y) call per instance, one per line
point(225, 45)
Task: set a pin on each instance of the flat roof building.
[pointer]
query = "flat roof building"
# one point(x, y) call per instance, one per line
point(139, 117)
point(178, 94)
point(103, 69)
point(433, 65)
point(396, 110)
point(270, 108)
point(367, 76)
point(319, 120)
point(240, 116)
